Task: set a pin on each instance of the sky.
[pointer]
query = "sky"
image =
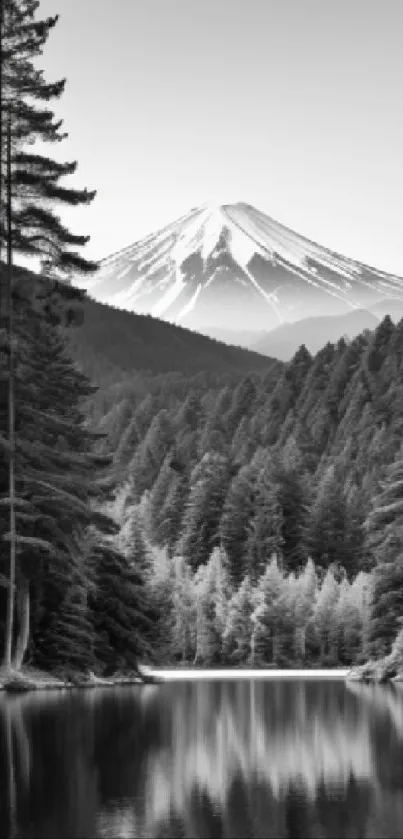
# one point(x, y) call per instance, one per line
point(295, 107)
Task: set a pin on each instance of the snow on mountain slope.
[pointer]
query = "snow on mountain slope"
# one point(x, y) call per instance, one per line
point(234, 267)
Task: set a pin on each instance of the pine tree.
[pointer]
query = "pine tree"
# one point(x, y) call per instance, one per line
point(384, 529)
point(147, 461)
point(213, 436)
point(121, 610)
point(57, 473)
point(325, 615)
point(158, 497)
point(32, 184)
point(36, 229)
point(352, 615)
point(64, 637)
point(378, 346)
point(241, 404)
point(283, 396)
point(136, 548)
point(212, 594)
point(238, 629)
point(268, 617)
point(161, 592)
point(209, 484)
point(242, 447)
point(303, 606)
point(329, 536)
point(236, 520)
point(173, 512)
point(265, 536)
point(293, 497)
point(190, 412)
point(183, 632)
point(223, 589)
point(128, 441)
point(10, 413)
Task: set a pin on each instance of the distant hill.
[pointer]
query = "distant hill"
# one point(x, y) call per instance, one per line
point(284, 341)
point(128, 342)
point(392, 306)
point(112, 343)
point(247, 338)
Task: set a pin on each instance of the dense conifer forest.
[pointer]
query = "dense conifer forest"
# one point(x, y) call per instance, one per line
point(267, 510)
point(202, 519)
point(58, 564)
point(165, 497)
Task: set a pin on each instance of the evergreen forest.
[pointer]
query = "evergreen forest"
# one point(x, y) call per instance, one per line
point(166, 498)
point(265, 509)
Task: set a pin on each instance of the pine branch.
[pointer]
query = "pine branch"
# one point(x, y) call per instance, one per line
point(51, 168)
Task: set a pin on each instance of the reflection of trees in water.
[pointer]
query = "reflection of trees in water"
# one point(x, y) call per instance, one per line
point(80, 753)
point(205, 759)
point(385, 703)
point(16, 764)
point(297, 754)
point(51, 768)
point(385, 700)
point(277, 733)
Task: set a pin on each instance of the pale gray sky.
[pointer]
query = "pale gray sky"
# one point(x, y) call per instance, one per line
point(294, 106)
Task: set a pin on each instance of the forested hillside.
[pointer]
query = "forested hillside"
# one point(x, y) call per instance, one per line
point(219, 518)
point(271, 507)
point(164, 496)
point(69, 598)
point(245, 518)
point(124, 341)
point(67, 567)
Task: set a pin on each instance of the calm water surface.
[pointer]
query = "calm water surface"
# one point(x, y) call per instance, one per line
point(246, 758)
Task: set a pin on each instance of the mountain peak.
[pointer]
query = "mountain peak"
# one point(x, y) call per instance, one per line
point(231, 265)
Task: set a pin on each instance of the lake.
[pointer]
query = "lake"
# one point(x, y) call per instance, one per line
point(246, 757)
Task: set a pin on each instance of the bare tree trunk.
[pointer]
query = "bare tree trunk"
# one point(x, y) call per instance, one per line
point(2, 213)
point(274, 647)
point(196, 656)
point(11, 417)
point(1, 144)
point(252, 656)
point(300, 641)
point(23, 605)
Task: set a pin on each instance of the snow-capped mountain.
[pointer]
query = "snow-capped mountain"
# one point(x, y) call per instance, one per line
point(232, 266)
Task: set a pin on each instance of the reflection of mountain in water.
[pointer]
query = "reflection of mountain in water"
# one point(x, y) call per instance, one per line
point(205, 759)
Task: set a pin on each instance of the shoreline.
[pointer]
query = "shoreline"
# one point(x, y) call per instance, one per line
point(169, 674)
point(26, 680)
point(377, 673)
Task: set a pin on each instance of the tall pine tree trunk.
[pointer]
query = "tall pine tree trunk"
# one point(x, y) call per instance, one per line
point(301, 641)
point(23, 606)
point(2, 284)
point(274, 646)
point(11, 419)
